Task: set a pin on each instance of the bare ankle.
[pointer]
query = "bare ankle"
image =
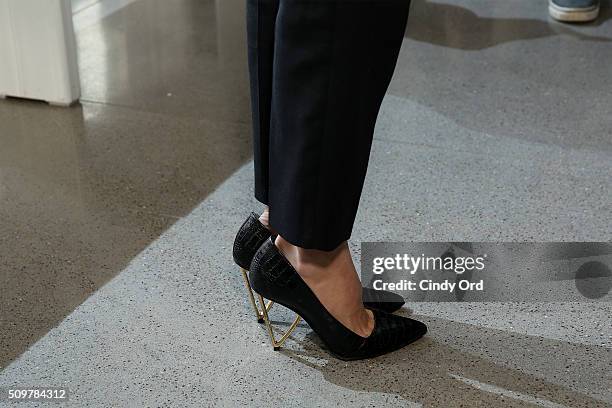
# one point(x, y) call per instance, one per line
point(264, 218)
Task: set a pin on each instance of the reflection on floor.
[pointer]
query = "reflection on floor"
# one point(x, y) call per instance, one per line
point(117, 215)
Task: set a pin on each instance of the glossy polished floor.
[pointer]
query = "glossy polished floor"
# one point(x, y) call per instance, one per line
point(117, 215)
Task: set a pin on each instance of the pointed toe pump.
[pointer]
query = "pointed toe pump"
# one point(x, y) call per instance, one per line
point(252, 234)
point(273, 277)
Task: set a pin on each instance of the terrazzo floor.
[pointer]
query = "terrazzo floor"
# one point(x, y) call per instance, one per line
point(117, 215)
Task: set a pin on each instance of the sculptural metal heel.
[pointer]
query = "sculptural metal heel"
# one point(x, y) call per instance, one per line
point(276, 344)
point(263, 317)
point(251, 235)
point(258, 313)
point(249, 238)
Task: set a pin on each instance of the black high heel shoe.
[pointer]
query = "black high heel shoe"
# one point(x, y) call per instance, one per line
point(273, 277)
point(253, 234)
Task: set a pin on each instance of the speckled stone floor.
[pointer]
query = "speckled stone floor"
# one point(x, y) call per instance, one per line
point(117, 216)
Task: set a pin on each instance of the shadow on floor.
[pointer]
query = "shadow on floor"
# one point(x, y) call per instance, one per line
point(467, 365)
point(457, 27)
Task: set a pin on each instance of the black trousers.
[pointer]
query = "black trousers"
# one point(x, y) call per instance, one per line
point(319, 70)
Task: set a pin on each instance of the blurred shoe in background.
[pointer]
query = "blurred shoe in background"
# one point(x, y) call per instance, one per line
point(573, 11)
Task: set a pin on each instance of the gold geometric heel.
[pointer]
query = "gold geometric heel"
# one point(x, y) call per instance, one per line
point(262, 316)
point(277, 343)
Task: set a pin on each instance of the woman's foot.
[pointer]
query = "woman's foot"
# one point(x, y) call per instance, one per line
point(273, 277)
point(253, 233)
point(333, 279)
